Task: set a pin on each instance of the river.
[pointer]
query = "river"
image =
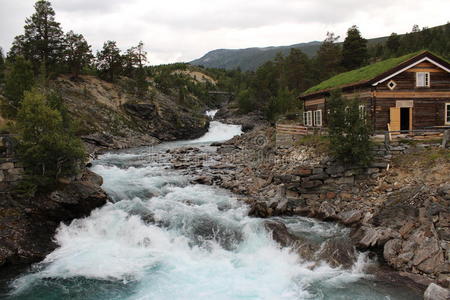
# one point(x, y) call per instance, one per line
point(164, 238)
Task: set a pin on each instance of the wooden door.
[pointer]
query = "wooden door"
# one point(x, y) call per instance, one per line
point(394, 119)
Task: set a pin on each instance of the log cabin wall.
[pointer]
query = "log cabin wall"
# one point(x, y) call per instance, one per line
point(428, 102)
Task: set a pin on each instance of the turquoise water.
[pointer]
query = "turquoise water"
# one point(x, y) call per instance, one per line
point(164, 238)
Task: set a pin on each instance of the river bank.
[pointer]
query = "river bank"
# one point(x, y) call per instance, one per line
point(400, 212)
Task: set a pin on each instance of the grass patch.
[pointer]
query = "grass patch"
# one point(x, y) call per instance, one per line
point(362, 74)
point(320, 143)
point(424, 158)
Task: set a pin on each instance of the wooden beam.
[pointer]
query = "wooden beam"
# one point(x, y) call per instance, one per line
point(412, 94)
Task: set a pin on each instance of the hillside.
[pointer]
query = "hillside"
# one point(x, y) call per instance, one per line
point(251, 58)
point(109, 115)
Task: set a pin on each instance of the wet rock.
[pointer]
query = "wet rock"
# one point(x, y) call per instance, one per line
point(338, 252)
point(281, 234)
point(203, 180)
point(391, 250)
point(327, 211)
point(436, 292)
point(260, 210)
point(350, 217)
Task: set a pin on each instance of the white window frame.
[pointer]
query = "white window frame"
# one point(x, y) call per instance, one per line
point(307, 118)
point(446, 114)
point(362, 111)
point(318, 118)
point(426, 79)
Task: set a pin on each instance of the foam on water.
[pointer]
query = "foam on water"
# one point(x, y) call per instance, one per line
point(219, 132)
point(211, 113)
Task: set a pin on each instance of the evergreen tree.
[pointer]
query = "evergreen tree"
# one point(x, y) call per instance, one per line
point(354, 49)
point(349, 131)
point(328, 58)
point(20, 78)
point(134, 62)
point(48, 149)
point(2, 66)
point(298, 71)
point(42, 41)
point(109, 61)
point(393, 43)
point(77, 52)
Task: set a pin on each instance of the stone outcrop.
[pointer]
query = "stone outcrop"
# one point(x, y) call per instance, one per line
point(27, 226)
point(436, 292)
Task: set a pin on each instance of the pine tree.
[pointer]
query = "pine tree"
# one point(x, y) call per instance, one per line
point(298, 70)
point(20, 78)
point(134, 62)
point(354, 49)
point(328, 58)
point(2, 66)
point(42, 41)
point(393, 44)
point(109, 61)
point(349, 131)
point(77, 53)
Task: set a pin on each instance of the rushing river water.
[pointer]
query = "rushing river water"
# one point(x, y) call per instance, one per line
point(164, 238)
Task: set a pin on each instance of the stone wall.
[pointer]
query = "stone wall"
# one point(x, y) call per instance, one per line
point(11, 170)
point(326, 180)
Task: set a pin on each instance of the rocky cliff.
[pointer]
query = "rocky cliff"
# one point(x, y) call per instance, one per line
point(27, 225)
point(108, 116)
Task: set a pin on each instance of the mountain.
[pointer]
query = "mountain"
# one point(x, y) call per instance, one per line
point(250, 58)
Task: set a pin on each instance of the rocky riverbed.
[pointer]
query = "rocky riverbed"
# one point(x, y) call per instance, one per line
point(399, 212)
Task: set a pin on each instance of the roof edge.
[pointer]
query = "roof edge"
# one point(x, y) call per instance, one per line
point(369, 82)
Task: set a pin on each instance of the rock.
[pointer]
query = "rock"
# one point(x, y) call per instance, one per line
point(281, 234)
point(203, 180)
point(350, 217)
point(301, 172)
point(260, 210)
point(407, 228)
point(391, 250)
point(327, 210)
point(338, 252)
point(436, 292)
point(6, 166)
point(27, 226)
point(333, 170)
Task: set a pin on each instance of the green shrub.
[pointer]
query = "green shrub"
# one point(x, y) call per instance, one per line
point(349, 132)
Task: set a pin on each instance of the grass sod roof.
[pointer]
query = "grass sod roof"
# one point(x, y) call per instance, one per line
point(361, 75)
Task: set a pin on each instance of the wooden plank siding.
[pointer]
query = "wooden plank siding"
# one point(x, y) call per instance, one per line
point(428, 103)
point(425, 112)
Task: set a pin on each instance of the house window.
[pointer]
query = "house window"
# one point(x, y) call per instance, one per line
point(447, 113)
point(318, 118)
point(362, 111)
point(391, 85)
point(423, 79)
point(307, 118)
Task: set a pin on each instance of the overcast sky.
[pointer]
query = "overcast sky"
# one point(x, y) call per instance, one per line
point(181, 30)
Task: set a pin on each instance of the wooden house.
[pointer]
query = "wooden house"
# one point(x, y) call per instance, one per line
point(403, 93)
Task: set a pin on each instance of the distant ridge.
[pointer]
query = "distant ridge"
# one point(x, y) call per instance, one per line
point(250, 58)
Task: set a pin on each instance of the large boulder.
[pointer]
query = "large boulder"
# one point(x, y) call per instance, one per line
point(436, 292)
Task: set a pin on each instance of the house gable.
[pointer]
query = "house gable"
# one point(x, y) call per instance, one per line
point(411, 67)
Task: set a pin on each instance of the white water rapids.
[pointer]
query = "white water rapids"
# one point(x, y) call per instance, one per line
point(164, 238)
